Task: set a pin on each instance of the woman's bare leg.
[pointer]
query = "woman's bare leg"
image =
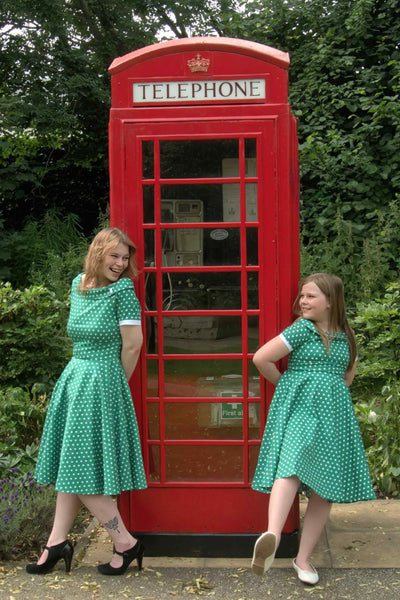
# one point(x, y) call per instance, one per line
point(105, 509)
point(67, 507)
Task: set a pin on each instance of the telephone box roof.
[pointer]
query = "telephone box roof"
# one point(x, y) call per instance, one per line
point(221, 44)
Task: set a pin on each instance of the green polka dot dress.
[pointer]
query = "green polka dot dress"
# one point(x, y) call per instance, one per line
point(90, 442)
point(312, 430)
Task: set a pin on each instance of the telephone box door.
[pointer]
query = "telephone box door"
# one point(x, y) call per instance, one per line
point(209, 272)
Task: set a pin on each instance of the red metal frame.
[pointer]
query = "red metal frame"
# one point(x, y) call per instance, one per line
point(201, 506)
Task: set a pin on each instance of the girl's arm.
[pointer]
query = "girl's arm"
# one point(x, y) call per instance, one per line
point(349, 375)
point(266, 357)
point(132, 340)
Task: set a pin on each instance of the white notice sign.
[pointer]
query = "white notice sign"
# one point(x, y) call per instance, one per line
point(189, 91)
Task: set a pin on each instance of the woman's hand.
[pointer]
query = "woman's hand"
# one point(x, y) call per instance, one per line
point(132, 340)
point(266, 357)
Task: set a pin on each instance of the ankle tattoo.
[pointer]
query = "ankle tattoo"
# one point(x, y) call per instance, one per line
point(112, 524)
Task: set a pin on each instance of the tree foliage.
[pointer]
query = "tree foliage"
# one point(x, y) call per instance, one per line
point(55, 94)
point(344, 86)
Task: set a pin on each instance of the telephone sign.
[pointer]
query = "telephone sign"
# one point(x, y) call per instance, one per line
point(204, 179)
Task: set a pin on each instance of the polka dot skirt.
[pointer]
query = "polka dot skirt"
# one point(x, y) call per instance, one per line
point(312, 430)
point(90, 442)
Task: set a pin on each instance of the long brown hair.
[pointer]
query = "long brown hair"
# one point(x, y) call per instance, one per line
point(105, 241)
point(332, 287)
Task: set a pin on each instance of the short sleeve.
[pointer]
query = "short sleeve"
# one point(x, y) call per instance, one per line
point(298, 333)
point(127, 307)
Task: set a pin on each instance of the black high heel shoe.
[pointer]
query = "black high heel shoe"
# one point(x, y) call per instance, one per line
point(136, 551)
point(54, 554)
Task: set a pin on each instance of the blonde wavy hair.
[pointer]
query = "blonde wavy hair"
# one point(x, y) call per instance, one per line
point(103, 243)
point(332, 287)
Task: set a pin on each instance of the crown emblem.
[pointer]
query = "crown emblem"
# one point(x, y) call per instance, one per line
point(198, 64)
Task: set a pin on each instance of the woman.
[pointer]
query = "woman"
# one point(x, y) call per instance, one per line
point(90, 448)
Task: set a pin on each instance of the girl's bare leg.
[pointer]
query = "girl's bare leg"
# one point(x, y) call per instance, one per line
point(105, 509)
point(315, 518)
point(281, 499)
point(67, 507)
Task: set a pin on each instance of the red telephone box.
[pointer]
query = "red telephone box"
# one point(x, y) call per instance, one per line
point(204, 179)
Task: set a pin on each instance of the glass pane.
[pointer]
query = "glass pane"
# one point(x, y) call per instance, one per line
point(153, 417)
point(202, 378)
point(154, 463)
point(148, 203)
point(152, 378)
point(253, 458)
point(191, 203)
point(254, 421)
point(180, 207)
point(202, 334)
point(196, 291)
point(203, 420)
point(254, 380)
point(148, 159)
point(250, 145)
point(182, 159)
point(149, 248)
point(251, 202)
point(252, 290)
point(196, 247)
point(252, 245)
point(253, 332)
point(204, 463)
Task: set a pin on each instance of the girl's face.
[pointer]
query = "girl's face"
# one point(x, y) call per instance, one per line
point(314, 305)
point(113, 265)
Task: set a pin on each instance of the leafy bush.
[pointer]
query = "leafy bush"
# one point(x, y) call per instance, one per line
point(380, 427)
point(377, 326)
point(365, 265)
point(22, 415)
point(376, 389)
point(26, 509)
point(34, 347)
point(28, 254)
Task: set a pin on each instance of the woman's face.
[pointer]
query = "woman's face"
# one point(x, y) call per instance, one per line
point(314, 305)
point(113, 265)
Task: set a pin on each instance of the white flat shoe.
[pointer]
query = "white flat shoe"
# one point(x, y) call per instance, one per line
point(310, 577)
point(264, 553)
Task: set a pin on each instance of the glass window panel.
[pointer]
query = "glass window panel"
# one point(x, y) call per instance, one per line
point(250, 145)
point(196, 291)
point(254, 451)
point(231, 202)
point(153, 417)
point(152, 378)
point(203, 420)
point(254, 421)
point(154, 463)
point(252, 245)
point(251, 202)
point(180, 159)
point(201, 334)
point(192, 203)
point(149, 248)
point(148, 203)
point(252, 290)
point(253, 333)
point(148, 159)
point(204, 463)
point(188, 247)
point(181, 204)
point(202, 378)
point(254, 380)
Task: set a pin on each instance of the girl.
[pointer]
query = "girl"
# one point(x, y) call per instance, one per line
point(312, 435)
point(90, 448)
